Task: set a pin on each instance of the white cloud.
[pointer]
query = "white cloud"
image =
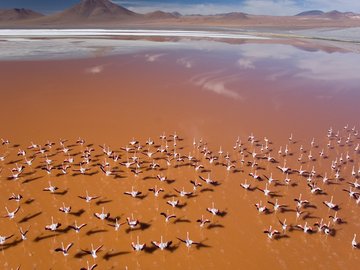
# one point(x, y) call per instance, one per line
point(322, 66)
point(257, 7)
point(185, 62)
point(153, 57)
point(271, 7)
point(95, 69)
point(246, 63)
point(326, 5)
point(318, 65)
point(185, 9)
point(277, 51)
point(217, 83)
point(277, 75)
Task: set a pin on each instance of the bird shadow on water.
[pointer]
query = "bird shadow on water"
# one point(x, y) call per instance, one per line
point(191, 196)
point(77, 213)
point(26, 181)
point(109, 255)
point(279, 184)
point(310, 206)
point(13, 161)
point(29, 173)
point(141, 197)
point(40, 238)
point(201, 245)
point(286, 209)
point(333, 232)
point(173, 248)
point(85, 174)
point(118, 176)
point(222, 213)
point(215, 226)
point(180, 206)
point(333, 183)
point(150, 249)
point(113, 219)
point(281, 236)
point(100, 202)
point(252, 189)
point(149, 177)
point(182, 165)
point(29, 201)
point(275, 194)
point(61, 193)
point(182, 220)
point(54, 154)
point(142, 226)
point(207, 190)
point(308, 215)
point(342, 222)
point(64, 230)
point(29, 217)
point(9, 245)
point(95, 231)
point(167, 196)
point(80, 254)
point(170, 181)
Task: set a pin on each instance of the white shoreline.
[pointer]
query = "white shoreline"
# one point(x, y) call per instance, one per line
point(23, 44)
point(65, 33)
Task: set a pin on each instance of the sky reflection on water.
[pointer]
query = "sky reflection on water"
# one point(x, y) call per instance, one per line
point(273, 61)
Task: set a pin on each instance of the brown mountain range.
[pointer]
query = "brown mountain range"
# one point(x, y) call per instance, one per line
point(17, 14)
point(89, 11)
point(95, 10)
point(158, 14)
point(104, 13)
point(334, 14)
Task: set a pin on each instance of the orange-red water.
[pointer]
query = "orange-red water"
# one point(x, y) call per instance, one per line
point(216, 97)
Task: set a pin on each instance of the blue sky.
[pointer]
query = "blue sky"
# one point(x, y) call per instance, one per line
point(267, 7)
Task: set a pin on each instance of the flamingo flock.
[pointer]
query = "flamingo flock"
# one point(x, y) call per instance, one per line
point(55, 161)
point(342, 148)
point(253, 160)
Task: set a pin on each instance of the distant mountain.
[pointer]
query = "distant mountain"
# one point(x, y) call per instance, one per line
point(234, 15)
point(177, 14)
point(93, 10)
point(311, 13)
point(334, 14)
point(105, 13)
point(18, 14)
point(158, 14)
